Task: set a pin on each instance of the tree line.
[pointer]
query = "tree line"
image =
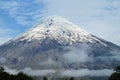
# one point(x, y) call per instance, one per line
point(20, 76)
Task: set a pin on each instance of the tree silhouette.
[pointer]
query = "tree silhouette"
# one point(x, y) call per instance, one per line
point(72, 78)
point(4, 75)
point(117, 69)
point(116, 74)
point(1, 69)
point(20, 76)
point(45, 78)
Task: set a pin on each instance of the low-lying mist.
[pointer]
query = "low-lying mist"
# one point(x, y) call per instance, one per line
point(68, 73)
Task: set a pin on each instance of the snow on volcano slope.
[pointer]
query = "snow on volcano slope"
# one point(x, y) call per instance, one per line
point(57, 28)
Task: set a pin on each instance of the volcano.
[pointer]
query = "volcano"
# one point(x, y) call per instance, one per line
point(59, 44)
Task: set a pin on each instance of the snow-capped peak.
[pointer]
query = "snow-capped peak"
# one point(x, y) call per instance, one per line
point(57, 28)
point(57, 21)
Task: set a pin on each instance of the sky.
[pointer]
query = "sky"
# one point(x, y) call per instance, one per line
point(99, 17)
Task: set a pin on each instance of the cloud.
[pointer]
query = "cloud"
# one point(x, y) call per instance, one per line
point(11, 71)
point(78, 54)
point(23, 12)
point(32, 72)
point(117, 57)
point(87, 72)
point(2, 60)
point(83, 54)
point(8, 5)
point(75, 73)
point(4, 31)
point(69, 73)
point(48, 62)
point(5, 35)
